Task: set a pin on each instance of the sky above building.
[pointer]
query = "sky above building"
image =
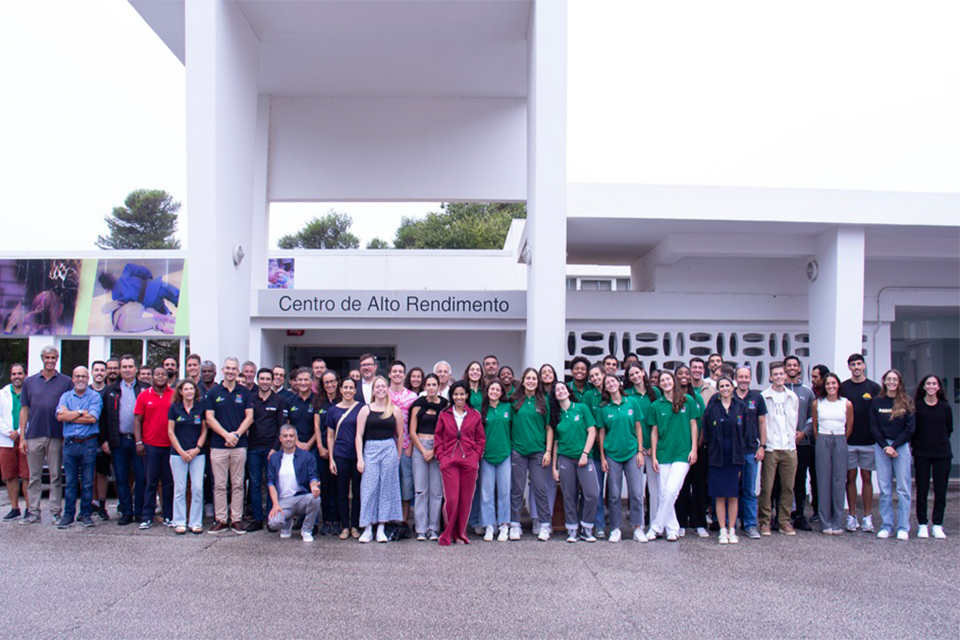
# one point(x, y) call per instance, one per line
point(852, 95)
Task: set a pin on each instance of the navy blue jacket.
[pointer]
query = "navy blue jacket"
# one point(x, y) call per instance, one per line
point(715, 421)
point(304, 464)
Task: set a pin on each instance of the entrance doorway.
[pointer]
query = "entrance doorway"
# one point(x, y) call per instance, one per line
point(340, 359)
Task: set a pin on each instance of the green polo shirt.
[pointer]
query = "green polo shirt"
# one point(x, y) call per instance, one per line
point(530, 428)
point(673, 429)
point(572, 430)
point(497, 431)
point(619, 421)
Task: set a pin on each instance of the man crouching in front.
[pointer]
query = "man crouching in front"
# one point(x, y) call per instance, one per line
point(294, 486)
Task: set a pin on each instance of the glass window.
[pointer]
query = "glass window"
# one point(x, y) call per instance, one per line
point(12, 350)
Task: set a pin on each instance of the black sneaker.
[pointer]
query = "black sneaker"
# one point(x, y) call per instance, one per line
point(146, 524)
point(325, 529)
point(87, 522)
point(102, 512)
point(124, 520)
point(256, 525)
point(65, 523)
point(802, 524)
point(13, 515)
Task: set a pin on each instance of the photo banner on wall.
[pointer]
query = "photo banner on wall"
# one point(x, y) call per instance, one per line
point(111, 296)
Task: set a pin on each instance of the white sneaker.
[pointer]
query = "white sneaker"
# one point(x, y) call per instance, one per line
point(638, 535)
point(285, 534)
point(514, 532)
point(724, 539)
point(683, 532)
point(867, 524)
point(938, 532)
point(571, 535)
point(381, 534)
point(504, 533)
point(732, 536)
point(544, 534)
point(671, 537)
point(852, 523)
point(651, 535)
point(306, 535)
point(703, 533)
point(903, 535)
point(366, 536)
point(615, 535)
point(883, 534)
point(922, 531)
point(488, 534)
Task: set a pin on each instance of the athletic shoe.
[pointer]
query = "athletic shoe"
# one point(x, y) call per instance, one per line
point(504, 533)
point(146, 524)
point(65, 523)
point(535, 527)
point(218, 527)
point(765, 529)
point(671, 537)
point(852, 523)
point(867, 524)
point(479, 531)
point(683, 532)
point(788, 530)
point(432, 536)
point(238, 528)
point(753, 533)
point(167, 522)
point(382, 534)
point(903, 535)
point(801, 524)
point(366, 536)
point(514, 532)
point(922, 531)
point(571, 535)
point(284, 534)
point(421, 537)
point(599, 532)
point(197, 530)
point(938, 532)
point(815, 519)
point(124, 520)
point(102, 512)
point(587, 536)
point(30, 518)
point(883, 534)
point(544, 534)
point(256, 525)
point(306, 535)
point(488, 534)
point(615, 535)
point(326, 529)
point(723, 537)
point(732, 536)
point(638, 535)
point(87, 522)
point(703, 533)
point(651, 535)
point(827, 532)
point(12, 515)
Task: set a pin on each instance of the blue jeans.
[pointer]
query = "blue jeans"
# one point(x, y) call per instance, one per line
point(888, 470)
point(181, 471)
point(256, 468)
point(125, 460)
point(79, 463)
point(748, 491)
point(157, 471)
point(495, 493)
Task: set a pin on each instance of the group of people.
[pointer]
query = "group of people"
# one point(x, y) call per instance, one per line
point(349, 456)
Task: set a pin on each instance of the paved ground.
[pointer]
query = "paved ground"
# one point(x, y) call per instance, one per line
point(113, 582)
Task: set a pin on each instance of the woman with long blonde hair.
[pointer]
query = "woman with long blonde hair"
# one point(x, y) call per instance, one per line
point(892, 423)
point(379, 444)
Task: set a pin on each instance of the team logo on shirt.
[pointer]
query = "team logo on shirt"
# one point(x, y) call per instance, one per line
point(867, 396)
point(293, 408)
point(196, 419)
point(238, 400)
point(576, 418)
point(219, 399)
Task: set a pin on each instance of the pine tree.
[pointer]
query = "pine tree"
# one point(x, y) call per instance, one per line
point(147, 220)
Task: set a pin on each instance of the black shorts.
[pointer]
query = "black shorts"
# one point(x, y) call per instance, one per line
point(103, 463)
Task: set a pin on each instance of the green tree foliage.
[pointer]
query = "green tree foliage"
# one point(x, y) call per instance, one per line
point(460, 225)
point(377, 243)
point(147, 220)
point(332, 231)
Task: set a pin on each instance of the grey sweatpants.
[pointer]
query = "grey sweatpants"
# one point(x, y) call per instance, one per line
point(520, 466)
point(300, 505)
point(831, 460)
point(572, 475)
point(634, 476)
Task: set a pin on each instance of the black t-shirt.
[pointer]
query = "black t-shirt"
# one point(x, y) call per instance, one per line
point(379, 428)
point(268, 416)
point(934, 428)
point(861, 394)
point(187, 425)
point(229, 408)
point(426, 421)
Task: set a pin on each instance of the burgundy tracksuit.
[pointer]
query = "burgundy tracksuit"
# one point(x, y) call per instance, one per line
point(459, 453)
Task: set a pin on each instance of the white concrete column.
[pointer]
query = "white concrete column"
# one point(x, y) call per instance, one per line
point(547, 184)
point(222, 102)
point(98, 348)
point(835, 299)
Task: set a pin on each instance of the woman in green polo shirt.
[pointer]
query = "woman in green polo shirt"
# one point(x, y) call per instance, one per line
point(579, 367)
point(495, 465)
point(673, 440)
point(473, 375)
point(532, 440)
point(621, 456)
point(573, 465)
point(637, 389)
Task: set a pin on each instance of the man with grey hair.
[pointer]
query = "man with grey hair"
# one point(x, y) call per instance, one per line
point(294, 486)
point(248, 375)
point(442, 369)
point(79, 411)
point(42, 439)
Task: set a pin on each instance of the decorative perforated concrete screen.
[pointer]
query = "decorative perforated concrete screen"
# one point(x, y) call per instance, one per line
point(658, 348)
